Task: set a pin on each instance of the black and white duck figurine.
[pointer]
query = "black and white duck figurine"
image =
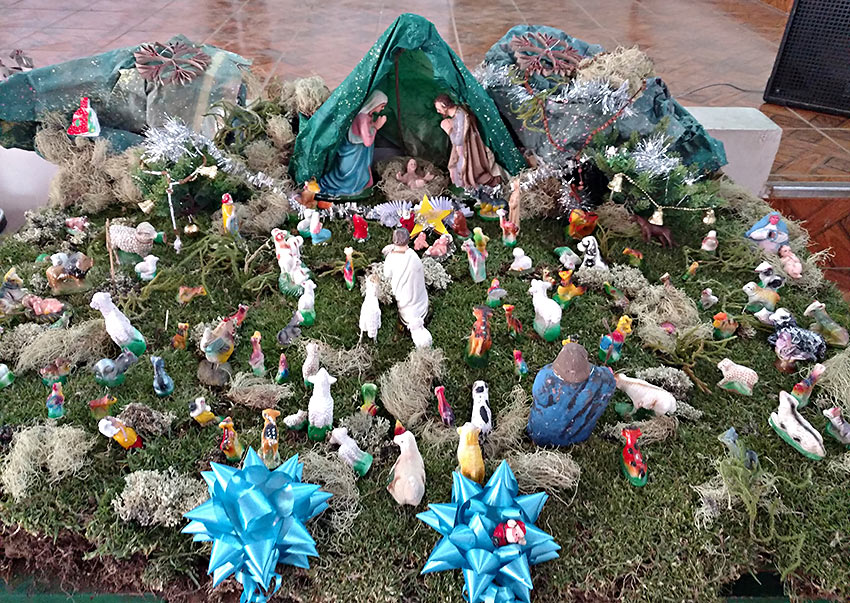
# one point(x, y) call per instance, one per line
point(792, 343)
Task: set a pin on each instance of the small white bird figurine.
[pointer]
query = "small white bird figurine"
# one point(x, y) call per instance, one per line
point(709, 243)
point(521, 261)
point(146, 269)
point(407, 477)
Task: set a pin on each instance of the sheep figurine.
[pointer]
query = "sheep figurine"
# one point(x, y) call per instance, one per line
point(547, 312)
point(350, 452)
point(645, 395)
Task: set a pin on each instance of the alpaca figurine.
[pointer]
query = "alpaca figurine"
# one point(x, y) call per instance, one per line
point(407, 477)
point(631, 461)
point(269, 449)
point(282, 370)
point(118, 326)
point(349, 452)
point(566, 290)
point(447, 415)
point(469, 453)
point(790, 263)
point(760, 297)
point(520, 366)
point(370, 310)
point(482, 416)
point(163, 385)
point(311, 363)
point(477, 261)
point(307, 303)
point(320, 410)
point(119, 431)
point(837, 426)
point(130, 243)
point(348, 268)
point(110, 373)
point(361, 228)
point(521, 261)
point(834, 334)
point(737, 378)
point(481, 338)
point(440, 248)
point(802, 391)
point(318, 235)
point(495, 293)
point(707, 299)
point(146, 269)
point(257, 360)
point(200, 410)
point(178, 341)
point(509, 229)
point(230, 445)
point(611, 345)
point(56, 402)
point(589, 246)
point(795, 430)
point(514, 325)
point(645, 395)
point(369, 392)
point(547, 312)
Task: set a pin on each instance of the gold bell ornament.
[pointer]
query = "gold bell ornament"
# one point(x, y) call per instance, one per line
point(657, 217)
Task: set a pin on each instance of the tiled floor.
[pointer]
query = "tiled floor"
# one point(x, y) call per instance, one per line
point(693, 42)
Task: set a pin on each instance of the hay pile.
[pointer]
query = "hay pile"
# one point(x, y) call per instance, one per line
point(655, 429)
point(509, 425)
point(146, 420)
point(340, 362)
point(617, 66)
point(256, 392)
point(340, 480)
point(546, 470)
point(395, 190)
point(406, 387)
point(84, 343)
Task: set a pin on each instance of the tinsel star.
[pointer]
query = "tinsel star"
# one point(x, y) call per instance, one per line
point(493, 574)
point(431, 215)
point(255, 519)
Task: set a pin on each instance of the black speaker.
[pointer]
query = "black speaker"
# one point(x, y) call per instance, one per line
point(812, 69)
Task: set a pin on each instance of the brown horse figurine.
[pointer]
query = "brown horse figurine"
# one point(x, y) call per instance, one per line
point(650, 231)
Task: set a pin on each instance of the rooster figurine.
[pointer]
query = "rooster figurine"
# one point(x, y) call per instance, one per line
point(447, 415)
point(257, 360)
point(481, 339)
point(282, 370)
point(270, 454)
point(632, 461)
point(239, 315)
point(802, 391)
point(520, 367)
point(229, 220)
point(56, 402)
point(230, 445)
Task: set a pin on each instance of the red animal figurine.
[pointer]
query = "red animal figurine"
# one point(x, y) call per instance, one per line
point(514, 325)
point(632, 461)
point(481, 338)
point(446, 413)
point(361, 228)
point(651, 231)
point(510, 532)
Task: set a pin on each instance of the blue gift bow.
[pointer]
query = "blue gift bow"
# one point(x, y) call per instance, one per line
point(255, 519)
point(492, 574)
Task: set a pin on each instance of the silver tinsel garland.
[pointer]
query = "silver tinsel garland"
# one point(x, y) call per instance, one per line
point(596, 92)
point(650, 155)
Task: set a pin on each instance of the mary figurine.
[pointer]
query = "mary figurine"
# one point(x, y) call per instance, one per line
point(352, 170)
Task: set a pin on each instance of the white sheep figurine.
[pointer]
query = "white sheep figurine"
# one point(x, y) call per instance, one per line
point(645, 395)
point(547, 312)
point(320, 410)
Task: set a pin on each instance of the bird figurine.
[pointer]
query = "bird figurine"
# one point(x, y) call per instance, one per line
point(481, 337)
point(480, 240)
point(187, 294)
point(146, 269)
point(178, 341)
point(200, 410)
point(99, 407)
point(581, 223)
point(837, 427)
point(737, 378)
point(447, 415)
point(120, 432)
point(369, 391)
point(795, 429)
point(407, 476)
point(792, 343)
point(361, 228)
point(631, 461)
point(56, 401)
point(707, 299)
point(495, 293)
point(230, 445)
point(768, 277)
point(229, 219)
point(217, 343)
point(469, 455)
point(724, 325)
point(521, 261)
point(514, 325)
point(482, 416)
point(802, 390)
point(282, 370)
point(311, 363)
point(834, 334)
point(520, 367)
point(370, 310)
point(239, 315)
point(163, 385)
point(110, 373)
point(269, 448)
point(633, 256)
point(348, 268)
point(691, 271)
point(320, 409)
point(709, 242)
point(566, 290)
point(509, 229)
point(760, 297)
point(257, 360)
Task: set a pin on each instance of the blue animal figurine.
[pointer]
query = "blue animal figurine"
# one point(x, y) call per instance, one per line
point(163, 385)
point(110, 373)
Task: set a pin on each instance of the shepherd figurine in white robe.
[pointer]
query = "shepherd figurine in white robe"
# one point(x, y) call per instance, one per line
point(404, 270)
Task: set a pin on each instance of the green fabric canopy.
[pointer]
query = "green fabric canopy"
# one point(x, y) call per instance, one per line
point(411, 64)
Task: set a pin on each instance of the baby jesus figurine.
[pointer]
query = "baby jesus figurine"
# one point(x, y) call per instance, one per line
point(411, 176)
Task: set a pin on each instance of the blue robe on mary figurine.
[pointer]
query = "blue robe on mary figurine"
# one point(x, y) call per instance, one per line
point(352, 170)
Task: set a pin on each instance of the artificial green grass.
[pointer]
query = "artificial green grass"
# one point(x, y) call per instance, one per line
point(618, 542)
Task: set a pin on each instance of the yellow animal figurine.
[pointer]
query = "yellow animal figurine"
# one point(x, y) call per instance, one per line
point(624, 325)
point(469, 453)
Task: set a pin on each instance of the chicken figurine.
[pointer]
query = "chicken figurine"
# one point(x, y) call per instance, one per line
point(802, 390)
point(56, 401)
point(521, 262)
point(447, 415)
point(407, 477)
point(469, 453)
point(282, 370)
point(270, 453)
point(229, 219)
point(230, 445)
point(566, 290)
point(369, 392)
point(257, 360)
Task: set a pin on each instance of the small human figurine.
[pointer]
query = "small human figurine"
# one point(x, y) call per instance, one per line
point(320, 411)
point(511, 531)
point(644, 395)
point(802, 390)
point(307, 303)
point(481, 338)
point(634, 468)
point(420, 242)
point(495, 293)
point(768, 278)
point(257, 360)
point(737, 378)
point(440, 248)
point(187, 294)
point(471, 163)
point(509, 229)
point(403, 268)
point(547, 312)
point(66, 275)
point(120, 432)
point(230, 445)
point(58, 370)
point(589, 246)
point(769, 233)
point(351, 173)
point(318, 234)
point(459, 225)
point(691, 271)
point(447, 415)
point(514, 325)
point(118, 326)
point(795, 429)
point(41, 308)
point(411, 176)
point(514, 204)
point(611, 345)
point(201, 412)
point(56, 402)
point(650, 231)
point(229, 219)
point(521, 261)
point(834, 334)
point(520, 367)
point(724, 325)
point(178, 341)
point(477, 261)
point(469, 455)
point(707, 299)
point(837, 427)
point(790, 263)
point(369, 392)
point(269, 447)
point(792, 343)
point(361, 228)
point(407, 476)
point(709, 242)
point(282, 370)
point(348, 268)
point(581, 223)
point(99, 407)
point(633, 256)
point(163, 385)
point(110, 373)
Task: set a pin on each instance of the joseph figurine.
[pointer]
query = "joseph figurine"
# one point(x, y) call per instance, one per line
point(471, 163)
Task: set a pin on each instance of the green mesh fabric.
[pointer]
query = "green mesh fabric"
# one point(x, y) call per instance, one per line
point(411, 57)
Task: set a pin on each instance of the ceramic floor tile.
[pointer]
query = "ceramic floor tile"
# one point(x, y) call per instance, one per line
point(17, 16)
point(101, 19)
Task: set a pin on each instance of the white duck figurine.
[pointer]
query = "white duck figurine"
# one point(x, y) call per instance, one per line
point(407, 477)
point(146, 269)
point(795, 430)
point(521, 261)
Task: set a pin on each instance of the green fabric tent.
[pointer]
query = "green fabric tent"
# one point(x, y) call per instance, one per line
point(411, 64)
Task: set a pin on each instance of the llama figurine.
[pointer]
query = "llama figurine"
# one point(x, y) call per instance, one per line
point(118, 326)
point(509, 229)
point(320, 410)
point(270, 453)
point(837, 426)
point(350, 452)
point(547, 312)
point(370, 310)
point(477, 261)
point(834, 334)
